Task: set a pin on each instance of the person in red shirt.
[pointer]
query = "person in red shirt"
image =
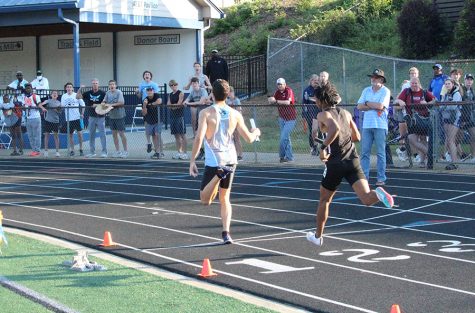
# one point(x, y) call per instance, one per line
point(415, 100)
point(285, 100)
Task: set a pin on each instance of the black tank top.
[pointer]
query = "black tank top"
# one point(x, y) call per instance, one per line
point(174, 97)
point(342, 148)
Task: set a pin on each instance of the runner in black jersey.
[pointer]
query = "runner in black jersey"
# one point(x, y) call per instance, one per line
point(340, 158)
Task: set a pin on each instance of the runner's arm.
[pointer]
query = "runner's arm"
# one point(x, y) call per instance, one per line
point(249, 136)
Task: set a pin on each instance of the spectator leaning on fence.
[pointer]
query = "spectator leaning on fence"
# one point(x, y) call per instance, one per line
point(115, 99)
point(33, 119)
point(374, 101)
point(310, 110)
point(468, 112)
point(437, 82)
point(285, 100)
point(142, 93)
point(52, 109)
point(92, 98)
point(74, 113)
point(12, 119)
point(177, 119)
point(451, 119)
point(413, 101)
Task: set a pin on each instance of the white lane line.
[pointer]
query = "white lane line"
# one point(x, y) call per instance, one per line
point(417, 282)
point(240, 193)
point(235, 220)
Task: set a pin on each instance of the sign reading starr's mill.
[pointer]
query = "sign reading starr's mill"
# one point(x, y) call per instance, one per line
point(11, 46)
point(173, 39)
point(83, 43)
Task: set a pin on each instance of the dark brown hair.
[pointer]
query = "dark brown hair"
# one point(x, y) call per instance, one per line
point(220, 90)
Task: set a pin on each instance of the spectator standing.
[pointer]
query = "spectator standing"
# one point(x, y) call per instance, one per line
point(52, 109)
point(413, 101)
point(437, 82)
point(177, 119)
point(74, 114)
point(18, 84)
point(92, 98)
point(235, 103)
point(215, 128)
point(310, 110)
point(198, 73)
point(33, 119)
point(284, 98)
point(374, 101)
point(142, 93)
point(451, 117)
point(468, 112)
point(114, 99)
point(217, 67)
point(197, 98)
point(41, 85)
point(151, 116)
point(12, 117)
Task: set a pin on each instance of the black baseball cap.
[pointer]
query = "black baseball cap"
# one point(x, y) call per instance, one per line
point(468, 76)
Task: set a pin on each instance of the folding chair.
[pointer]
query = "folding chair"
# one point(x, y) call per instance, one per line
point(5, 138)
point(137, 116)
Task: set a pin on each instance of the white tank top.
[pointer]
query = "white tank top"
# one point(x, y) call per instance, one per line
point(220, 149)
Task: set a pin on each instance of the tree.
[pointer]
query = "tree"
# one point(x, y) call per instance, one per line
point(421, 30)
point(464, 41)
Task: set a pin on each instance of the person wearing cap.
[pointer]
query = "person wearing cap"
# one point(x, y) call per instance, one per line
point(216, 127)
point(468, 112)
point(19, 83)
point(114, 100)
point(177, 119)
point(374, 101)
point(437, 82)
point(151, 115)
point(92, 98)
point(41, 85)
point(141, 93)
point(33, 119)
point(217, 67)
point(52, 109)
point(284, 98)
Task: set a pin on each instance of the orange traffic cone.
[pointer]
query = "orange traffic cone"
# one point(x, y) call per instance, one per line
point(207, 271)
point(107, 240)
point(395, 309)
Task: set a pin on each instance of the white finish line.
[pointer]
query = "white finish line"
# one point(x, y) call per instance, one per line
point(271, 267)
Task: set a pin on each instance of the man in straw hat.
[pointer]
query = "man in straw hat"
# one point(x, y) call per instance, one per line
point(341, 160)
point(374, 101)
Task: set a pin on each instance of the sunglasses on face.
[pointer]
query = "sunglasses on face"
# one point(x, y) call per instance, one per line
point(173, 85)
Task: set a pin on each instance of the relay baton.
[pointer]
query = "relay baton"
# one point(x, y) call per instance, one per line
point(253, 125)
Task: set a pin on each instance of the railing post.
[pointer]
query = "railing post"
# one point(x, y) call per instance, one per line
point(249, 78)
point(254, 145)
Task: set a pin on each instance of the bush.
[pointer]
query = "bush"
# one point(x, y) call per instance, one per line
point(464, 42)
point(421, 30)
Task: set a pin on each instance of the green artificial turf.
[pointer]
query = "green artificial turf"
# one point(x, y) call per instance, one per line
point(38, 266)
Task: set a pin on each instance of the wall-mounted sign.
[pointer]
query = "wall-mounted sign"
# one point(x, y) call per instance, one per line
point(173, 39)
point(11, 46)
point(83, 43)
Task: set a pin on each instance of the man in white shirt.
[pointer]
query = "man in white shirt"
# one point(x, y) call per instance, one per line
point(40, 85)
point(74, 115)
point(19, 83)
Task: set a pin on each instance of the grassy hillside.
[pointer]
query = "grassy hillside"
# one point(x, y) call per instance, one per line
point(364, 25)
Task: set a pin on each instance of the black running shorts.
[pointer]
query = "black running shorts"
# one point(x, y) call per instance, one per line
point(210, 172)
point(335, 172)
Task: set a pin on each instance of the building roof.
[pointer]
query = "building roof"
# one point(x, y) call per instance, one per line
point(37, 5)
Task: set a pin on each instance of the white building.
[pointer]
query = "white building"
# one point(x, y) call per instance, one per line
point(116, 39)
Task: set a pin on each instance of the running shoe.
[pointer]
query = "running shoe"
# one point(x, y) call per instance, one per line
point(14, 153)
point(45, 154)
point(401, 153)
point(183, 156)
point(91, 155)
point(149, 147)
point(156, 156)
point(316, 241)
point(224, 171)
point(81, 153)
point(71, 153)
point(104, 155)
point(57, 154)
point(124, 154)
point(227, 238)
point(176, 156)
point(385, 197)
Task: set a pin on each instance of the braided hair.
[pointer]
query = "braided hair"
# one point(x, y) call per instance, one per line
point(327, 95)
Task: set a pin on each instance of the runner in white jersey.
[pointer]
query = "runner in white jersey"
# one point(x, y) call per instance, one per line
point(216, 126)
